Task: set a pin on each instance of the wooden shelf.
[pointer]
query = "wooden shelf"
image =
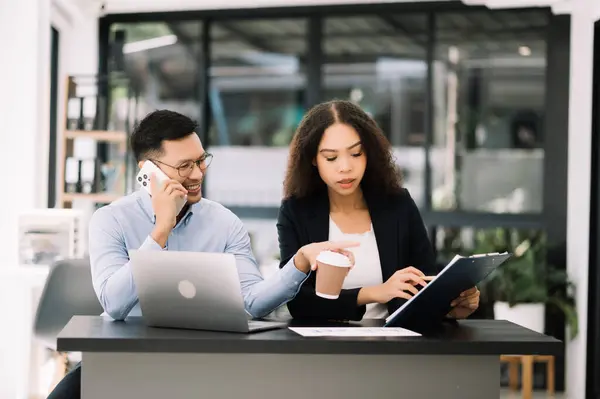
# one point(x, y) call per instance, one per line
point(115, 139)
point(100, 135)
point(103, 198)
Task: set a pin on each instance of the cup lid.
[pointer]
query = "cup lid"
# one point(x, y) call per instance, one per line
point(334, 259)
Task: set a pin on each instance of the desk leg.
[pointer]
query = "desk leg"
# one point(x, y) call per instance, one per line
point(293, 376)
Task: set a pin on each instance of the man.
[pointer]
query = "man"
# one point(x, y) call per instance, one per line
point(151, 223)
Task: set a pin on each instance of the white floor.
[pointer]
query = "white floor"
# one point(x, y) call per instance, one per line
point(506, 394)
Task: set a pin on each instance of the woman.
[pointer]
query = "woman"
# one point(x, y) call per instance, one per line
point(342, 185)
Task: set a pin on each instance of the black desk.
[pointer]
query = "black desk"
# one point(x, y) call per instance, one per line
point(128, 359)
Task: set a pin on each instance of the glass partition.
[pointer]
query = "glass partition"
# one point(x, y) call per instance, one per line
point(257, 90)
point(379, 62)
point(489, 80)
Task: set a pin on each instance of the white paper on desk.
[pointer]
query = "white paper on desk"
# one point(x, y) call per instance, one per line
point(354, 332)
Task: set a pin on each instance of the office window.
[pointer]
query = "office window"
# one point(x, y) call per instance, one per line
point(379, 62)
point(161, 62)
point(257, 89)
point(257, 81)
point(489, 79)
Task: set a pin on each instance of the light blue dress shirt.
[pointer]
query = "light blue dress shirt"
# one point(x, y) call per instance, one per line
point(206, 227)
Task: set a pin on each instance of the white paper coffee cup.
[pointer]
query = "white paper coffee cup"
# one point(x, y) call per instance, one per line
point(332, 269)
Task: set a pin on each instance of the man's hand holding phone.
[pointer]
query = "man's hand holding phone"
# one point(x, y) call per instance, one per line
point(165, 196)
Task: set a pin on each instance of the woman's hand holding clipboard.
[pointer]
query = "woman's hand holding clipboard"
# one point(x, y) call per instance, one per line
point(450, 294)
point(402, 284)
point(465, 304)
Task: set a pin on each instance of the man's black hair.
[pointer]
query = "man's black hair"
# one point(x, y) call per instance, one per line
point(157, 127)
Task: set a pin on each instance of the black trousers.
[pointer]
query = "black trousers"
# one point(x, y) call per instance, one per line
point(69, 387)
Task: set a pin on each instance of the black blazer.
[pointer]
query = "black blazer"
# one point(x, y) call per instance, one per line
point(401, 236)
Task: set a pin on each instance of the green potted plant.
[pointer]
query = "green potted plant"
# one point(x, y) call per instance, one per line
point(525, 284)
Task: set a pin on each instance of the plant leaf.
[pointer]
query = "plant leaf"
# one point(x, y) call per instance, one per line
point(570, 315)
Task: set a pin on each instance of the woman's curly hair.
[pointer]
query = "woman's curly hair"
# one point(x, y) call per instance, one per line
point(302, 179)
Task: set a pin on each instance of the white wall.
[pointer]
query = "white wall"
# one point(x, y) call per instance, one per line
point(24, 88)
point(25, 103)
point(579, 177)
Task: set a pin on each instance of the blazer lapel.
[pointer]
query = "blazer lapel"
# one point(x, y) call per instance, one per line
point(318, 219)
point(385, 227)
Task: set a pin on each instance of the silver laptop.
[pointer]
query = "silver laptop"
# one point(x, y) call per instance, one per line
point(192, 290)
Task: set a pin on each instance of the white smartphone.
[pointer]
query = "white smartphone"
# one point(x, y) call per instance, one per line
point(143, 179)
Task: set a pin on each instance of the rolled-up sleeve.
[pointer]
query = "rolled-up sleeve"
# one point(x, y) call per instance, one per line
point(261, 296)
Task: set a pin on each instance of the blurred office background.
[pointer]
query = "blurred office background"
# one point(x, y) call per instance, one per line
point(463, 94)
point(474, 100)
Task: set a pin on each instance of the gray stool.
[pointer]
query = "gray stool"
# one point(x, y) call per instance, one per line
point(68, 292)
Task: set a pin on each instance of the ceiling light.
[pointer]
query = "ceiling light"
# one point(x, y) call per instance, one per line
point(525, 51)
point(356, 95)
point(148, 44)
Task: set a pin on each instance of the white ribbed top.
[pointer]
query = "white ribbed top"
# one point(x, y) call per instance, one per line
point(367, 269)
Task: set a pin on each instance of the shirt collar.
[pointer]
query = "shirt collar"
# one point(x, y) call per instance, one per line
point(145, 202)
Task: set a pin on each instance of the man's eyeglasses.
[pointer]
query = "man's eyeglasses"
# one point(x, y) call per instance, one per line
point(186, 168)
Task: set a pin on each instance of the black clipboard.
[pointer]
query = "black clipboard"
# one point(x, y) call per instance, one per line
point(426, 311)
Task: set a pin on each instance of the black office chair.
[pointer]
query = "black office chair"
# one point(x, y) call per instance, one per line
point(68, 291)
